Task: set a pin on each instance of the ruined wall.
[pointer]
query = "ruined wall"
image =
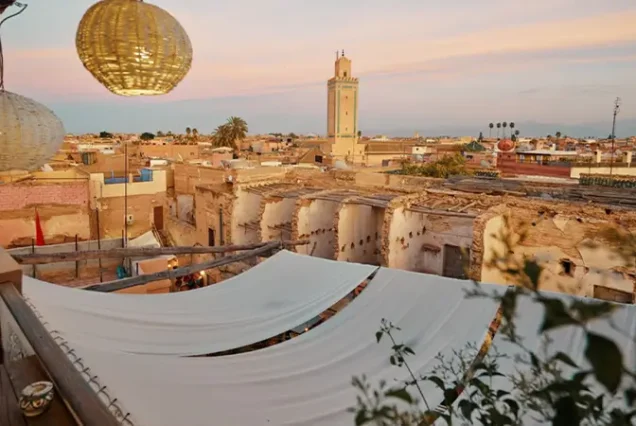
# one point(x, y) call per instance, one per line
point(112, 214)
point(314, 220)
point(59, 224)
point(416, 240)
point(19, 196)
point(62, 207)
point(188, 176)
point(276, 211)
point(558, 242)
point(247, 208)
point(211, 207)
point(180, 232)
point(171, 151)
point(359, 234)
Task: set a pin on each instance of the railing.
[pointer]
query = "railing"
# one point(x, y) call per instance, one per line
point(47, 356)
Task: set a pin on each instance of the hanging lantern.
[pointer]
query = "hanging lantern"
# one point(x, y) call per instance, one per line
point(30, 133)
point(133, 48)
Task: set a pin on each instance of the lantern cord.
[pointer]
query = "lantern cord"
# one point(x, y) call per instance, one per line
point(23, 7)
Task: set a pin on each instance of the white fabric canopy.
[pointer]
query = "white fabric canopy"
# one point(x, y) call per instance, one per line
point(306, 380)
point(619, 327)
point(277, 295)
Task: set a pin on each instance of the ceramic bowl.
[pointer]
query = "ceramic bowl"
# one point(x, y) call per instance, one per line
point(36, 398)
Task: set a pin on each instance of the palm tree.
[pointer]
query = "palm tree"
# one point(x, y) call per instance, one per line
point(490, 126)
point(558, 134)
point(195, 133)
point(504, 124)
point(517, 132)
point(512, 126)
point(222, 137)
point(188, 131)
point(237, 129)
point(498, 127)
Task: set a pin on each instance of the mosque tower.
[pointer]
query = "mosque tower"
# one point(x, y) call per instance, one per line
point(342, 112)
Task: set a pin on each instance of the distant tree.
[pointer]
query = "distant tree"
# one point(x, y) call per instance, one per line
point(514, 137)
point(146, 136)
point(512, 126)
point(169, 133)
point(188, 131)
point(558, 134)
point(504, 124)
point(490, 126)
point(549, 137)
point(195, 133)
point(498, 127)
point(292, 135)
point(481, 137)
point(235, 129)
point(359, 134)
point(105, 135)
point(160, 134)
point(517, 132)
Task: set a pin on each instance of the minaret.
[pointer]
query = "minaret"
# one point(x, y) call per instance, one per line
point(342, 112)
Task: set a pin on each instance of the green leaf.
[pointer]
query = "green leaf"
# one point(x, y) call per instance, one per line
point(560, 356)
point(589, 310)
point(409, 350)
point(566, 412)
point(466, 407)
point(513, 405)
point(378, 336)
point(401, 394)
point(439, 382)
point(555, 314)
point(533, 272)
point(361, 417)
point(535, 361)
point(502, 393)
point(606, 360)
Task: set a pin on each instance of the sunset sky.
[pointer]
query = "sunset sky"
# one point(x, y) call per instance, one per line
point(422, 64)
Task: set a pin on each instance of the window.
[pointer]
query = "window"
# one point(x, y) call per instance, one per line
point(567, 267)
point(345, 73)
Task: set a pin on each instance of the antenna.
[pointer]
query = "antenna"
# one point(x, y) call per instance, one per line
point(343, 53)
point(617, 109)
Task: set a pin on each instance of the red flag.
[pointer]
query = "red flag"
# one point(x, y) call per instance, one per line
point(39, 235)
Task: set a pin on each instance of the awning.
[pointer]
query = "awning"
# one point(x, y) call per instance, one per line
point(305, 380)
point(281, 293)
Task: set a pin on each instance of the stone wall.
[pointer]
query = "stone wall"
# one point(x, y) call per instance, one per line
point(18, 196)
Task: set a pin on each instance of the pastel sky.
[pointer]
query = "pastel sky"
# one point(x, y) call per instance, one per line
point(422, 64)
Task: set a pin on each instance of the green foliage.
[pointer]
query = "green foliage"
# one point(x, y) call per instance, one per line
point(105, 135)
point(553, 389)
point(228, 134)
point(146, 136)
point(447, 166)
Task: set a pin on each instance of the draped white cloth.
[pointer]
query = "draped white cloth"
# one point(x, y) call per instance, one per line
point(277, 295)
point(306, 380)
point(620, 327)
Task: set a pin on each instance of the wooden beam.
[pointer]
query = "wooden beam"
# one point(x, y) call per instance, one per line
point(440, 212)
point(116, 285)
point(69, 382)
point(39, 258)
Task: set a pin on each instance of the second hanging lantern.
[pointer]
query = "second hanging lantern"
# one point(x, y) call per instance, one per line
point(133, 48)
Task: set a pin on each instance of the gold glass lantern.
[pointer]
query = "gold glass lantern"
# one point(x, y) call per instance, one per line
point(30, 133)
point(133, 48)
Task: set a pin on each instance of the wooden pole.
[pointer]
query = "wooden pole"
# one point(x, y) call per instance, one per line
point(76, 262)
point(39, 258)
point(32, 252)
point(111, 286)
point(99, 246)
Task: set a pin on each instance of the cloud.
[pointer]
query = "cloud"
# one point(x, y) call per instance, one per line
point(274, 64)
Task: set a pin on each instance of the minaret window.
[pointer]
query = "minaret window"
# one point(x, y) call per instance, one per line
point(345, 73)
